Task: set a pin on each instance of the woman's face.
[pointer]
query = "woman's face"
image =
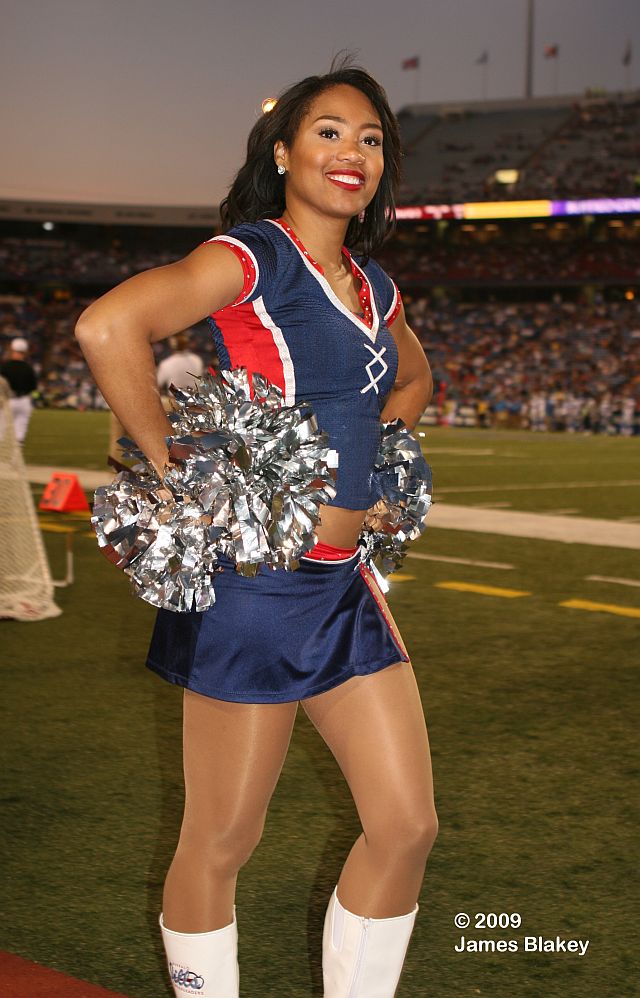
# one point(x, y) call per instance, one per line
point(335, 162)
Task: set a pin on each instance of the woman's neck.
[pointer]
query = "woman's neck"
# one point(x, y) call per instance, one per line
point(323, 237)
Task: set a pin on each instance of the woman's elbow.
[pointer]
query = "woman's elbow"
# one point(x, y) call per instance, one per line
point(86, 327)
point(88, 333)
point(96, 327)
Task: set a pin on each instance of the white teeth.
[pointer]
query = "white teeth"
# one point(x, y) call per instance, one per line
point(347, 179)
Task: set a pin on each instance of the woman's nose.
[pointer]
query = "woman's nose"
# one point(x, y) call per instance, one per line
point(351, 151)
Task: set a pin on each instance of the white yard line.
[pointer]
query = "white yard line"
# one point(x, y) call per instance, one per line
point(40, 474)
point(462, 451)
point(459, 561)
point(492, 505)
point(558, 512)
point(513, 523)
point(618, 582)
point(450, 516)
point(533, 486)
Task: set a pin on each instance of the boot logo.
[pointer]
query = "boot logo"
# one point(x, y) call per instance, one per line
point(185, 978)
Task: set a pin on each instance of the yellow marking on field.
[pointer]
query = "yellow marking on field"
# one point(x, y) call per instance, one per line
point(585, 604)
point(401, 577)
point(57, 528)
point(474, 587)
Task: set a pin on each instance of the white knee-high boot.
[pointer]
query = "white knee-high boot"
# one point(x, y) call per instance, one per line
point(363, 957)
point(203, 963)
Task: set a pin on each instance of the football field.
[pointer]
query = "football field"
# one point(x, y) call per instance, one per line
point(526, 652)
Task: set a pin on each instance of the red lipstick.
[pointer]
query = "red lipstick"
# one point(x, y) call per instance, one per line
point(336, 177)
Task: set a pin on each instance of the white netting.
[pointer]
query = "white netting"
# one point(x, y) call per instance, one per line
point(26, 589)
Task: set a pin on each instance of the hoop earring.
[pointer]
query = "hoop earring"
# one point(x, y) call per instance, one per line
point(281, 169)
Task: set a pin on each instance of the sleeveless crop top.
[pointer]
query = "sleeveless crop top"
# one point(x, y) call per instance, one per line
point(289, 325)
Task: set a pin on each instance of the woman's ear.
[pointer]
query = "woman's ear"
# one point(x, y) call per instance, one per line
point(280, 154)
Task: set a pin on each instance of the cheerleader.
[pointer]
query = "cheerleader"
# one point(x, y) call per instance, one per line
point(291, 292)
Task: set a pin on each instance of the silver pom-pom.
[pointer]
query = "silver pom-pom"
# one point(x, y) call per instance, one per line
point(402, 480)
point(246, 478)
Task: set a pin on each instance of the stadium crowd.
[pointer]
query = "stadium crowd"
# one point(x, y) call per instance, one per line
point(70, 260)
point(546, 365)
point(556, 253)
point(524, 260)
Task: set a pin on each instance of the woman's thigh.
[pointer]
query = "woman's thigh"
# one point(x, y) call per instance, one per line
point(375, 727)
point(233, 755)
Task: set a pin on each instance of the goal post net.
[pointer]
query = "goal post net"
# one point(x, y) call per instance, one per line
point(26, 587)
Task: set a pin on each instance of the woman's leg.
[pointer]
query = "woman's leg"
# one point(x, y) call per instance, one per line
point(375, 728)
point(233, 756)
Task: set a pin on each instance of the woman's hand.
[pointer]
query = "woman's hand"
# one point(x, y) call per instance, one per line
point(376, 517)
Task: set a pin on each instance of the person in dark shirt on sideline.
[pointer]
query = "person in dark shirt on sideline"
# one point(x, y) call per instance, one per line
point(20, 375)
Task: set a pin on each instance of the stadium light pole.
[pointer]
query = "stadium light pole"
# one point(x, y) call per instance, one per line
point(528, 74)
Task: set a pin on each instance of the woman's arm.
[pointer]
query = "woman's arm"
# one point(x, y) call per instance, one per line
point(413, 386)
point(116, 332)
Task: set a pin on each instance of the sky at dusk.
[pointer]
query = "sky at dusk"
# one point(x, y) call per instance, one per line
point(150, 101)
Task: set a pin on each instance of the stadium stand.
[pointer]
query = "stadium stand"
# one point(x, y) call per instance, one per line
point(492, 358)
point(561, 146)
point(546, 365)
point(525, 253)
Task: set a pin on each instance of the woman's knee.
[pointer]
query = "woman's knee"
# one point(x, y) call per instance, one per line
point(220, 850)
point(408, 832)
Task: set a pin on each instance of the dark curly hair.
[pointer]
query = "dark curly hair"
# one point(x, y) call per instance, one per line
point(258, 191)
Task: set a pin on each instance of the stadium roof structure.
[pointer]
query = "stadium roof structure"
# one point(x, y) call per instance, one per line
point(110, 214)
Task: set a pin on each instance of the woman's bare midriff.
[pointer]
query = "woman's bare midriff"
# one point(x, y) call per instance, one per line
point(340, 527)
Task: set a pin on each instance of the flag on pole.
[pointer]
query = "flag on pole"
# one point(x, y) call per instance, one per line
point(551, 51)
point(483, 59)
point(412, 63)
point(627, 54)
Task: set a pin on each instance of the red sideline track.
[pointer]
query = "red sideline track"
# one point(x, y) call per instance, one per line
point(20, 977)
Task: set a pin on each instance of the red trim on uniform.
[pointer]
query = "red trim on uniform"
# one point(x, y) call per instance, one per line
point(248, 267)
point(328, 552)
point(364, 294)
point(395, 311)
point(250, 344)
point(372, 586)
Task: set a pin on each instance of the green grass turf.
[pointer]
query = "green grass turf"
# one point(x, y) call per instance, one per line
point(534, 749)
point(66, 438)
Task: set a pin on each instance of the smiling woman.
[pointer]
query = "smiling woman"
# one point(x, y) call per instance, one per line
point(290, 292)
point(258, 192)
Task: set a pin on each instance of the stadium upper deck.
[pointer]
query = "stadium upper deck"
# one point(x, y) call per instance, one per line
point(562, 147)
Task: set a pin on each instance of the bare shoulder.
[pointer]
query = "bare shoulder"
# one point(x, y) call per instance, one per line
point(399, 328)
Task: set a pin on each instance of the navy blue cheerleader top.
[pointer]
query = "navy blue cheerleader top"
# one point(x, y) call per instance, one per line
point(289, 325)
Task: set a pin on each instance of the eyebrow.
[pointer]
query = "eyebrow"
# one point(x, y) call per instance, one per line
point(343, 121)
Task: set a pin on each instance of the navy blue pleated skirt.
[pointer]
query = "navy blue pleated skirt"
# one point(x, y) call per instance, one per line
point(281, 636)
